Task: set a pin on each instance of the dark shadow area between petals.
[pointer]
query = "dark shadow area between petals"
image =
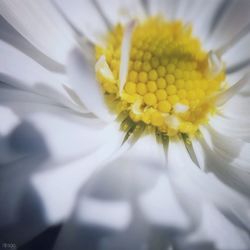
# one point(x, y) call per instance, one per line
point(18, 196)
point(237, 67)
point(43, 241)
point(218, 15)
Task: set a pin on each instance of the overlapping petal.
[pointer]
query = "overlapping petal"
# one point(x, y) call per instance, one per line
point(22, 72)
point(119, 186)
point(195, 187)
point(85, 18)
point(41, 25)
point(81, 77)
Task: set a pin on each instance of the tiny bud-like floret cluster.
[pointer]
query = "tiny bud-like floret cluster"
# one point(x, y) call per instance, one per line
point(169, 84)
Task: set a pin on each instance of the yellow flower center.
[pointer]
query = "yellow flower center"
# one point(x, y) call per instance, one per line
point(170, 84)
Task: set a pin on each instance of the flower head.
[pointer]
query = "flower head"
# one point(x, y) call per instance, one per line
point(127, 121)
point(158, 74)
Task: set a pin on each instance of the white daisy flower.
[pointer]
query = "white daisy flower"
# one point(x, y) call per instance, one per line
point(126, 120)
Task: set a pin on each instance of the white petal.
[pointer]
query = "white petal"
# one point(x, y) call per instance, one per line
point(133, 172)
point(233, 150)
point(215, 63)
point(232, 19)
point(41, 25)
point(236, 128)
point(234, 42)
point(64, 134)
point(225, 166)
point(85, 17)
point(82, 79)
point(11, 94)
point(71, 177)
point(237, 60)
point(216, 232)
point(9, 35)
point(119, 184)
point(222, 232)
point(46, 117)
point(187, 14)
point(102, 68)
point(225, 96)
point(223, 49)
point(125, 52)
point(41, 194)
point(195, 187)
point(184, 12)
point(22, 72)
point(117, 214)
point(167, 8)
point(201, 17)
point(237, 108)
point(162, 208)
point(232, 169)
point(122, 11)
point(10, 102)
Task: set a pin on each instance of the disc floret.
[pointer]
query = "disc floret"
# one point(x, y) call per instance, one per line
point(169, 85)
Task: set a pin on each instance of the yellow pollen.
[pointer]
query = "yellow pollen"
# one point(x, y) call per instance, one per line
point(150, 99)
point(152, 87)
point(141, 89)
point(169, 84)
point(164, 106)
point(161, 94)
